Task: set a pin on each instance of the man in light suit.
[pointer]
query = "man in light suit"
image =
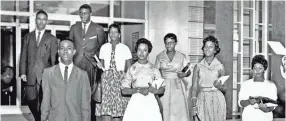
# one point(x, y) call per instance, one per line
point(38, 51)
point(66, 89)
point(88, 37)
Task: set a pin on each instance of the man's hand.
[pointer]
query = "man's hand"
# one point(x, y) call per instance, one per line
point(99, 65)
point(23, 77)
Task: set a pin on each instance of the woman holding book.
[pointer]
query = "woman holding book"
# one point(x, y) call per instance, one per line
point(171, 62)
point(139, 81)
point(209, 104)
point(116, 59)
point(257, 95)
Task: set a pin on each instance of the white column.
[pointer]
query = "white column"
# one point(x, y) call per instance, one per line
point(32, 16)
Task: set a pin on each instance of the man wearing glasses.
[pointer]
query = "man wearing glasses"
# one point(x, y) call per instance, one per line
point(88, 37)
point(38, 51)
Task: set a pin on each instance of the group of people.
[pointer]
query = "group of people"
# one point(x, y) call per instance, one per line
point(72, 90)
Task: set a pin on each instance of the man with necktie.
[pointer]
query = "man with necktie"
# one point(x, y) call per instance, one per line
point(66, 89)
point(88, 37)
point(38, 51)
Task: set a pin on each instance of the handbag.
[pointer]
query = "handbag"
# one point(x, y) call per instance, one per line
point(96, 94)
point(97, 87)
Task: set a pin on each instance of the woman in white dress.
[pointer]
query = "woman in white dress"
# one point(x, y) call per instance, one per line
point(143, 105)
point(254, 110)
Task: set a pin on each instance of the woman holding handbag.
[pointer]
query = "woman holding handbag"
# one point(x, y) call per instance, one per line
point(209, 104)
point(116, 59)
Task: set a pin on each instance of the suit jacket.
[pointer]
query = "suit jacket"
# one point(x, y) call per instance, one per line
point(34, 58)
point(88, 46)
point(68, 101)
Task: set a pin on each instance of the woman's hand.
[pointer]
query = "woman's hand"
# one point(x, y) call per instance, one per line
point(194, 110)
point(283, 73)
point(143, 91)
point(252, 101)
point(217, 84)
point(263, 107)
point(152, 89)
point(181, 74)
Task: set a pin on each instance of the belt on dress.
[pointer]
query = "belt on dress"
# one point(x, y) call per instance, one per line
point(208, 89)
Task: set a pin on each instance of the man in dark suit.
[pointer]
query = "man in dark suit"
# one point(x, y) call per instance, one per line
point(66, 89)
point(38, 51)
point(88, 37)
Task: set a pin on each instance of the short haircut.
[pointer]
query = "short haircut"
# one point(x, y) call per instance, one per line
point(67, 39)
point(144, 41)
point(259, 59)
point(215, 41)
point(114, 26)
point(170, 36)
point(85, 6)
point(41, 12)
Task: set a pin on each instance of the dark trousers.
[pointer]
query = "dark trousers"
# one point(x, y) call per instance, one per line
point(92, 110)
point(92, 75)
point(35, 106)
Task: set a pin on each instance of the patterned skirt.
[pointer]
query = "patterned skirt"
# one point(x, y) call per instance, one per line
point(211, 105)
point(113, 103)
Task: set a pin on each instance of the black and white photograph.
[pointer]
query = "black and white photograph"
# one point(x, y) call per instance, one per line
point(146, 60)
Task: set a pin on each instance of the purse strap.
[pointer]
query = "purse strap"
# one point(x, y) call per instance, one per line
point(160, 105)
point(196, 116)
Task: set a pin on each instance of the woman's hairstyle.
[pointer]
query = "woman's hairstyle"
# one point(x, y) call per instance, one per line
point(12, 77)
point(114, 26)
point(144, 41)
point(214, 40)
point(259, 59)
point(5, 68)
point(170, 36)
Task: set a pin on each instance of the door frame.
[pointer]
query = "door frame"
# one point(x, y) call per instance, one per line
point(19, 108)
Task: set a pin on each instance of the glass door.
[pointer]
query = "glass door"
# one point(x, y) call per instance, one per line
point(10, 53)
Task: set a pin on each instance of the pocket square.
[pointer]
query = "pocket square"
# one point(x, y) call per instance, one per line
point(92, 37)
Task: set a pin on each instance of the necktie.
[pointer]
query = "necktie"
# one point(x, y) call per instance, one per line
point(83, 31)
point(66, 74)
point(38, 38)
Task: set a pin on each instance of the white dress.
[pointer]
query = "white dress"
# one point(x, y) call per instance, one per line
point(251, 88)
point(140, 107)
